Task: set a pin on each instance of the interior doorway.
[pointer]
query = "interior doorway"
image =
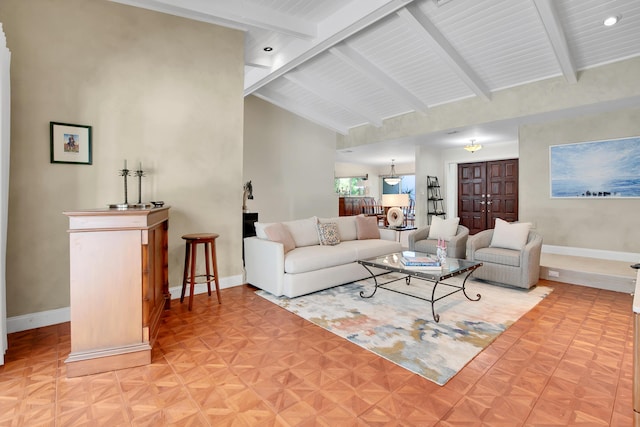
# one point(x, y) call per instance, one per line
point(486, 191)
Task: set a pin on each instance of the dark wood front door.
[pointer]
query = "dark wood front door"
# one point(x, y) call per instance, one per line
point(486, 191)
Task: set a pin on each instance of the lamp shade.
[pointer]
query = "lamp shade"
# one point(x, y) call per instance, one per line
point(393, 200)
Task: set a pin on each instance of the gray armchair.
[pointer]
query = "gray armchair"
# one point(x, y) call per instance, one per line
point(519, 268)
point(456, 246)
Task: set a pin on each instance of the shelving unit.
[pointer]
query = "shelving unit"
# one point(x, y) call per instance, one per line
point(435, 202)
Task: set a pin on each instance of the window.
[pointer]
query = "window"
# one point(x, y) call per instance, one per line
point(353, 186)
point(407, 185)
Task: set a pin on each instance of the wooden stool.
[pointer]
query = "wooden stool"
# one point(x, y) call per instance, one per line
point(192, 241)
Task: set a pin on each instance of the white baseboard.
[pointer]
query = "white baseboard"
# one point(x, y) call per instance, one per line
point(201, 288)
point(38, 320)
point(592, 253)
point(60, 315)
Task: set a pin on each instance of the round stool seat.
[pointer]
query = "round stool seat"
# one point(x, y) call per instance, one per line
point(192, 241)
point(201, 236)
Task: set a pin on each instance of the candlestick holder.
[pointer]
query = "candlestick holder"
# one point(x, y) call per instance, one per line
point(125, 173)
point(139, 173)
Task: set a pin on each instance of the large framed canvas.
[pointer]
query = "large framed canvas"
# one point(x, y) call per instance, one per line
point(596, 169)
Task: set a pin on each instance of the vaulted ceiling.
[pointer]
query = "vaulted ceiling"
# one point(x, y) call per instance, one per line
point(348, 63)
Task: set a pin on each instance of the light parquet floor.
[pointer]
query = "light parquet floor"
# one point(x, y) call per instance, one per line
point(248, 362)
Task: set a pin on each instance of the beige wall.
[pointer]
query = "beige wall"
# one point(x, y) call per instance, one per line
point(604, 224)
point(289, 161)
point(158, 89)
point(611, 85)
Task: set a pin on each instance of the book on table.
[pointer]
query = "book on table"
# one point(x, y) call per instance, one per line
point(420, 261)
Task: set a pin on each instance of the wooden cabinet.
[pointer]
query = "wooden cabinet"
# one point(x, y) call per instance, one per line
point(119, 286)
point(348, 206)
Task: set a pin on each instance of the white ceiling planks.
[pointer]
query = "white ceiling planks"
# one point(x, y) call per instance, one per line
point(348, 63)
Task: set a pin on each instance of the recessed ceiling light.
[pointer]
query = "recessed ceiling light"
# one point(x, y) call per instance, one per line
point(611, 21)
point(268, 49)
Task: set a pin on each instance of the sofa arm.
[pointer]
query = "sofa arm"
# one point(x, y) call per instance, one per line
point(478, 241)
point(264, 264)
point(387, 234)
point(530, 260)
point(457, 245)
point(416, 236)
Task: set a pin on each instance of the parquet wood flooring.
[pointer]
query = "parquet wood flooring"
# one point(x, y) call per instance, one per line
point(248, 362)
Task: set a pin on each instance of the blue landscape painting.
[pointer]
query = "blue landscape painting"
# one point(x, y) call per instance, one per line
point(596, 169)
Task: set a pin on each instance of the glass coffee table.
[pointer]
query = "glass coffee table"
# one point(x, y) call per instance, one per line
point(391, 264)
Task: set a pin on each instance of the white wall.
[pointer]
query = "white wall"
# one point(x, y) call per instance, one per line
point(290, 162)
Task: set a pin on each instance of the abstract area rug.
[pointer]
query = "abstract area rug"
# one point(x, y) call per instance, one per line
point(401, 328)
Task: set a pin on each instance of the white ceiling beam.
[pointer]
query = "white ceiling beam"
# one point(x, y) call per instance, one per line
point(330, 94)
point(304, 112)
point(355, 16)
point(356, 60)
point(237, 14)
point(424, 28)
point(555, 33)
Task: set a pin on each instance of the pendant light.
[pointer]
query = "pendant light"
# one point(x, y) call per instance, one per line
point(393, 179)
point(473, 147)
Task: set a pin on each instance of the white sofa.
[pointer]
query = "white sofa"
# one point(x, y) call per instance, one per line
point(310, 266)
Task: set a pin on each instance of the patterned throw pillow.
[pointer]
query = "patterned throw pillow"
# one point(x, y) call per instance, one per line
point(328, 234)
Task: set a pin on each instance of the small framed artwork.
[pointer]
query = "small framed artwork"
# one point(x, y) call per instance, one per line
point(70, 143)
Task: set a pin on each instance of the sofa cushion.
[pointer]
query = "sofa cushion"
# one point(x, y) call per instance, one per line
point(346, 226)
point(328, 233)
point(498, 256)
point(373, 248)
point(443, 228)
point(510, 235)
point(303, 231)
point(311, 258)
point(276, 232)
point(367, 227)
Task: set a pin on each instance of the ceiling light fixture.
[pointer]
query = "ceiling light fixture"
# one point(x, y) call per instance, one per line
point(473, 147)
point(393, 179)
point(611, 21)
point(268, 49)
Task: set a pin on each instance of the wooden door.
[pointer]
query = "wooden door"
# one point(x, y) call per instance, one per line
point(486, 191)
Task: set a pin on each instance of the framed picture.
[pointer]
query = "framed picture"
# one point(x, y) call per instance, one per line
point(596, 169)
point(70, 143)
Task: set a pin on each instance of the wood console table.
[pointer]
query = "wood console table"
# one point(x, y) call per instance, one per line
point(119, 286)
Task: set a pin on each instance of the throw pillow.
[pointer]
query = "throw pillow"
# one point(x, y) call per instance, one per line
point(510, 235)
point(303, 231)
point(278, 233)
point(328, 234)
point(443, 228)
point(367, 227)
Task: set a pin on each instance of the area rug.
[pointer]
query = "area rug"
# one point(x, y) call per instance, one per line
point(402, 329)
